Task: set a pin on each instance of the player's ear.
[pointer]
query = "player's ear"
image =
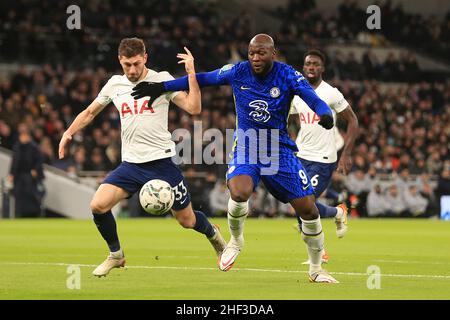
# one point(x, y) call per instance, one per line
point(145, 58)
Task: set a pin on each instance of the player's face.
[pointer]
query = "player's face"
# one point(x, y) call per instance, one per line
point(313, 68)
point(261, 58)
point(133, 67)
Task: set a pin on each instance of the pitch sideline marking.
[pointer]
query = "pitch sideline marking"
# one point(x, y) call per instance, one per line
point(236, 269)
point(410, 262)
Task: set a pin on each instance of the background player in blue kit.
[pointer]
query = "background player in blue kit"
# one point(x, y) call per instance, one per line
point(263, 90)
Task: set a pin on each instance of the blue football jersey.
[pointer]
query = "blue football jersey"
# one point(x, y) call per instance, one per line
point(262, 109)
point(264, 102)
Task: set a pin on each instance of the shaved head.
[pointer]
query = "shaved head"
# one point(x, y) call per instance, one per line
point(261, 54)
point(263, 40)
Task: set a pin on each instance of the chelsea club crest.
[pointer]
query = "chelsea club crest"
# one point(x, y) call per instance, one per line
point(275, 92)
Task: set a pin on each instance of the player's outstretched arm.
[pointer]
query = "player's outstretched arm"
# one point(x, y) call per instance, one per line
point(190, 102)
point(82, 120)
point(154, 90)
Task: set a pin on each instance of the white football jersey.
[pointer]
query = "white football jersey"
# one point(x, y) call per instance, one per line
point(314, 142)
point(145, 136)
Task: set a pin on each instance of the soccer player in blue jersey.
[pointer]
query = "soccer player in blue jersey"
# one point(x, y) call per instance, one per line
point(263, 90)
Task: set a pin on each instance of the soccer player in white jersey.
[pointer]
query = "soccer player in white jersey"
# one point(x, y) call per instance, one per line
point(317, 146)
point(147, 147)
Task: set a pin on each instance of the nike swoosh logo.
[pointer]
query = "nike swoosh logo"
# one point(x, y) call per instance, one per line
point(304, 188)
point(245, 88)
point(227, 265)
point(126, 92)
point(183, 201)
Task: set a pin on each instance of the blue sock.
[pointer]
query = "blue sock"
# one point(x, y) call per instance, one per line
point(326, 211)
point(202, 224)
point(106, 224)
point(332, 194)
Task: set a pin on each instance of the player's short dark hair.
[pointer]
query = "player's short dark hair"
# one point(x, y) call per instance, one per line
point(317, 53)
point(130, 47)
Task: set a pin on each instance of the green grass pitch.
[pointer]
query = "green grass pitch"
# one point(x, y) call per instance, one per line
point(167, 262)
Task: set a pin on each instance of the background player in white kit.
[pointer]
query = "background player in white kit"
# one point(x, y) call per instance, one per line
point(317, 146)
point(147, 147)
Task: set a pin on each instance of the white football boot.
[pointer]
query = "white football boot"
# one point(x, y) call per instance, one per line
point(114, 260)
point(230, 254)
point(341, 223)
point(321, 276)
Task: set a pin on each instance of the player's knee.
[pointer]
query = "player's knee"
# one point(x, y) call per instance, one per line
point(99, 206)
point(306, 208)
point(310, 212)
point(241, 194)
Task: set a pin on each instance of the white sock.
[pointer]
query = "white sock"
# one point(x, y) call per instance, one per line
point(117, 254)
point(339, 213)
point(314, 238)
point(237, 212)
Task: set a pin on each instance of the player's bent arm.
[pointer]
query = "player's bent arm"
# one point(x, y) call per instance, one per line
point(352, 128)
point(293, 121)
point(294, 115)
point(190, 102)
point(82, 120)
point(85, 117)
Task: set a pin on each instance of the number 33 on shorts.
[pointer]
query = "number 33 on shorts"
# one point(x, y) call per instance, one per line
point(180, 192)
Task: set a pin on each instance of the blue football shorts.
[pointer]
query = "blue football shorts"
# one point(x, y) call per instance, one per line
point(132, 176)
point(289, 181)
point(320, 174)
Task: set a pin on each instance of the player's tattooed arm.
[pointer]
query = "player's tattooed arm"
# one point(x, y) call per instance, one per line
point(82, 120)
point(191, 102)
point(345, 162)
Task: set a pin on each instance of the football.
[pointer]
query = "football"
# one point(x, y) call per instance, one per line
point(156, 197)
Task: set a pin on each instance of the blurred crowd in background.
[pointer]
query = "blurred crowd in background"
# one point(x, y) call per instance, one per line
point(427, 33)
point(37, 34)
point(401, 157)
